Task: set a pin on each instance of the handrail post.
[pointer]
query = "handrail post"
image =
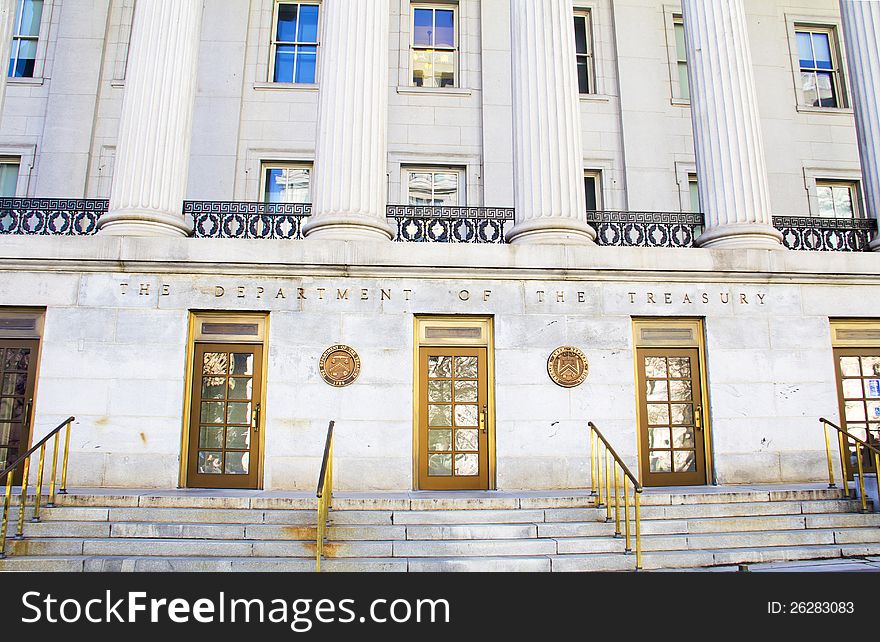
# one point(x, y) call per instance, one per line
point(638, 530)
point(25, 473)
point(52, 477)
point(861, 477)
point(7, 502)
point(628, 547)
point(843, 449)
point(63, 490)
point(39, 493)
point(616, 503)
point(593, 484)
point(831, 483)
point(607, 488)
point(599, 474)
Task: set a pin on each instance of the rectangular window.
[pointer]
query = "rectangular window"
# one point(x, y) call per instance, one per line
point(25, 36)
point(694, 191)
point(434, 187)
point(9, 169)
point(819, 67)
point(295, 42)
point(837, 199)
point(583, 38)
point(681, 66)
point(593, 190)
point(286, 183)
point(434, 46)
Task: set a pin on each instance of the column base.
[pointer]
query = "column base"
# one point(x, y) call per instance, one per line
point(143, 223)
point(742, 236)
point(347, 227)
point(552, 231)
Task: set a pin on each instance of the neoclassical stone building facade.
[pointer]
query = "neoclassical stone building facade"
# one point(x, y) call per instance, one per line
point(203, 197)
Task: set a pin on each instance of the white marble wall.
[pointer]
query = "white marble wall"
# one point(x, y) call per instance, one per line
point(116, 362)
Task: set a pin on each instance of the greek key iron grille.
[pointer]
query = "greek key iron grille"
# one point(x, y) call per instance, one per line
point(51, 216)
point(646, 229)
point(826, 234)
point(224, 220)
point(451, 224)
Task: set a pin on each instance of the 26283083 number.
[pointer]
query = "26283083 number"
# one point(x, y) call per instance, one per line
point(811, 608)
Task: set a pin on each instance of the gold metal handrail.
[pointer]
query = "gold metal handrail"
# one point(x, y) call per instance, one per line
point(843, 436)
point(24, 463)
point(613, 468)
point(325, 496)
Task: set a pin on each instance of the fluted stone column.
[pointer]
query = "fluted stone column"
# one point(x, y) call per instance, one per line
point(7, 23)
point(548, 161)
point(731, 168)
point(861, 32)
point(155, 130)
point(349, 190)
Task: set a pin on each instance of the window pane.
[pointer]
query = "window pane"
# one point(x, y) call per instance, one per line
point(826, 90)
point(27, 54)
point(590, 190)
point(287, 15)
point(683, 81)
point(695, 195)
point(808, 83)
point(583, 67)
point(805, 50)
point(8, 179)
point(423, 75)
point(445, 28)
point(843, 206)
point(284, 56)
point(423, 27)
point(444, 69)
point(826, 201)
point(446, 189)
point(308, 23)
point(680, 47)
point(420, 188)
point(822, 50)
point(580, 34)
point(30, 18)
point(305, 64)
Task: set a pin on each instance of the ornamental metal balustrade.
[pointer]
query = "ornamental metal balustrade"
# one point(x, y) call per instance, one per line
point(826, 234)
point(646, 229)
point(418, 224)
point(426, 224)
point(51, 216)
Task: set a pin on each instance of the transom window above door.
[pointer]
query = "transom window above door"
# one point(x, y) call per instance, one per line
point(434, 46)
point(295, 43)
point(437, 187)
point(287, 183)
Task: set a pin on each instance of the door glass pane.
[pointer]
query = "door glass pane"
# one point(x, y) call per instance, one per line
point(685, 462)
point(440, 465)
point(211, 437)
point(467, 440)
point(657, 390)
point(661, 462)
point(215, 363)
point(466, 415)
point(658, 414)
point(439, 367)
point(852, 389)
point(871, 366)
point(238, 437)
point(466, 367)
point(439, 440)
point(237, 463)
point(239, 413)
point(873, 410)
point(855, 411)
point(655, 367)
point(467, 465)
point(14, 384)
point(18, 359)
point(466, 391)
point(210, 463)
point(683, 438)
point(242, 364)
point(439, 415)
point(241, 388)
point(6, 409)
point(682, 414)
point(658, 438)
point(213, 413)
point(213, 387)
point(440, 391)
point(680, 391)
point(849, 366)
point(679, 368)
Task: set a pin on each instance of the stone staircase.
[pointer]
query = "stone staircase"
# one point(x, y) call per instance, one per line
point(107, 531)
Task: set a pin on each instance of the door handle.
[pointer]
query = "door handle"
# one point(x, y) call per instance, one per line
point(255, 418)
point(698, 418)
point(484, 418)
point(26, 417)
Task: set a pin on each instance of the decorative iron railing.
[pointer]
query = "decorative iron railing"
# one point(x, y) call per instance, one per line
point(826, 234)
point(238, 220)
point(51, 216)
point(417, 224)
point(646, 229)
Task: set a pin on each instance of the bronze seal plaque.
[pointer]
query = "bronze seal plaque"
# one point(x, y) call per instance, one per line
point(340, 366)
point(568, 367)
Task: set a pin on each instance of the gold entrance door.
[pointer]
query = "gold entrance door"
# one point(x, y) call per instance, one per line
point(224, 443)
point(453, 419)
point(671, 417)
point(858, 387)
point(18, 363)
